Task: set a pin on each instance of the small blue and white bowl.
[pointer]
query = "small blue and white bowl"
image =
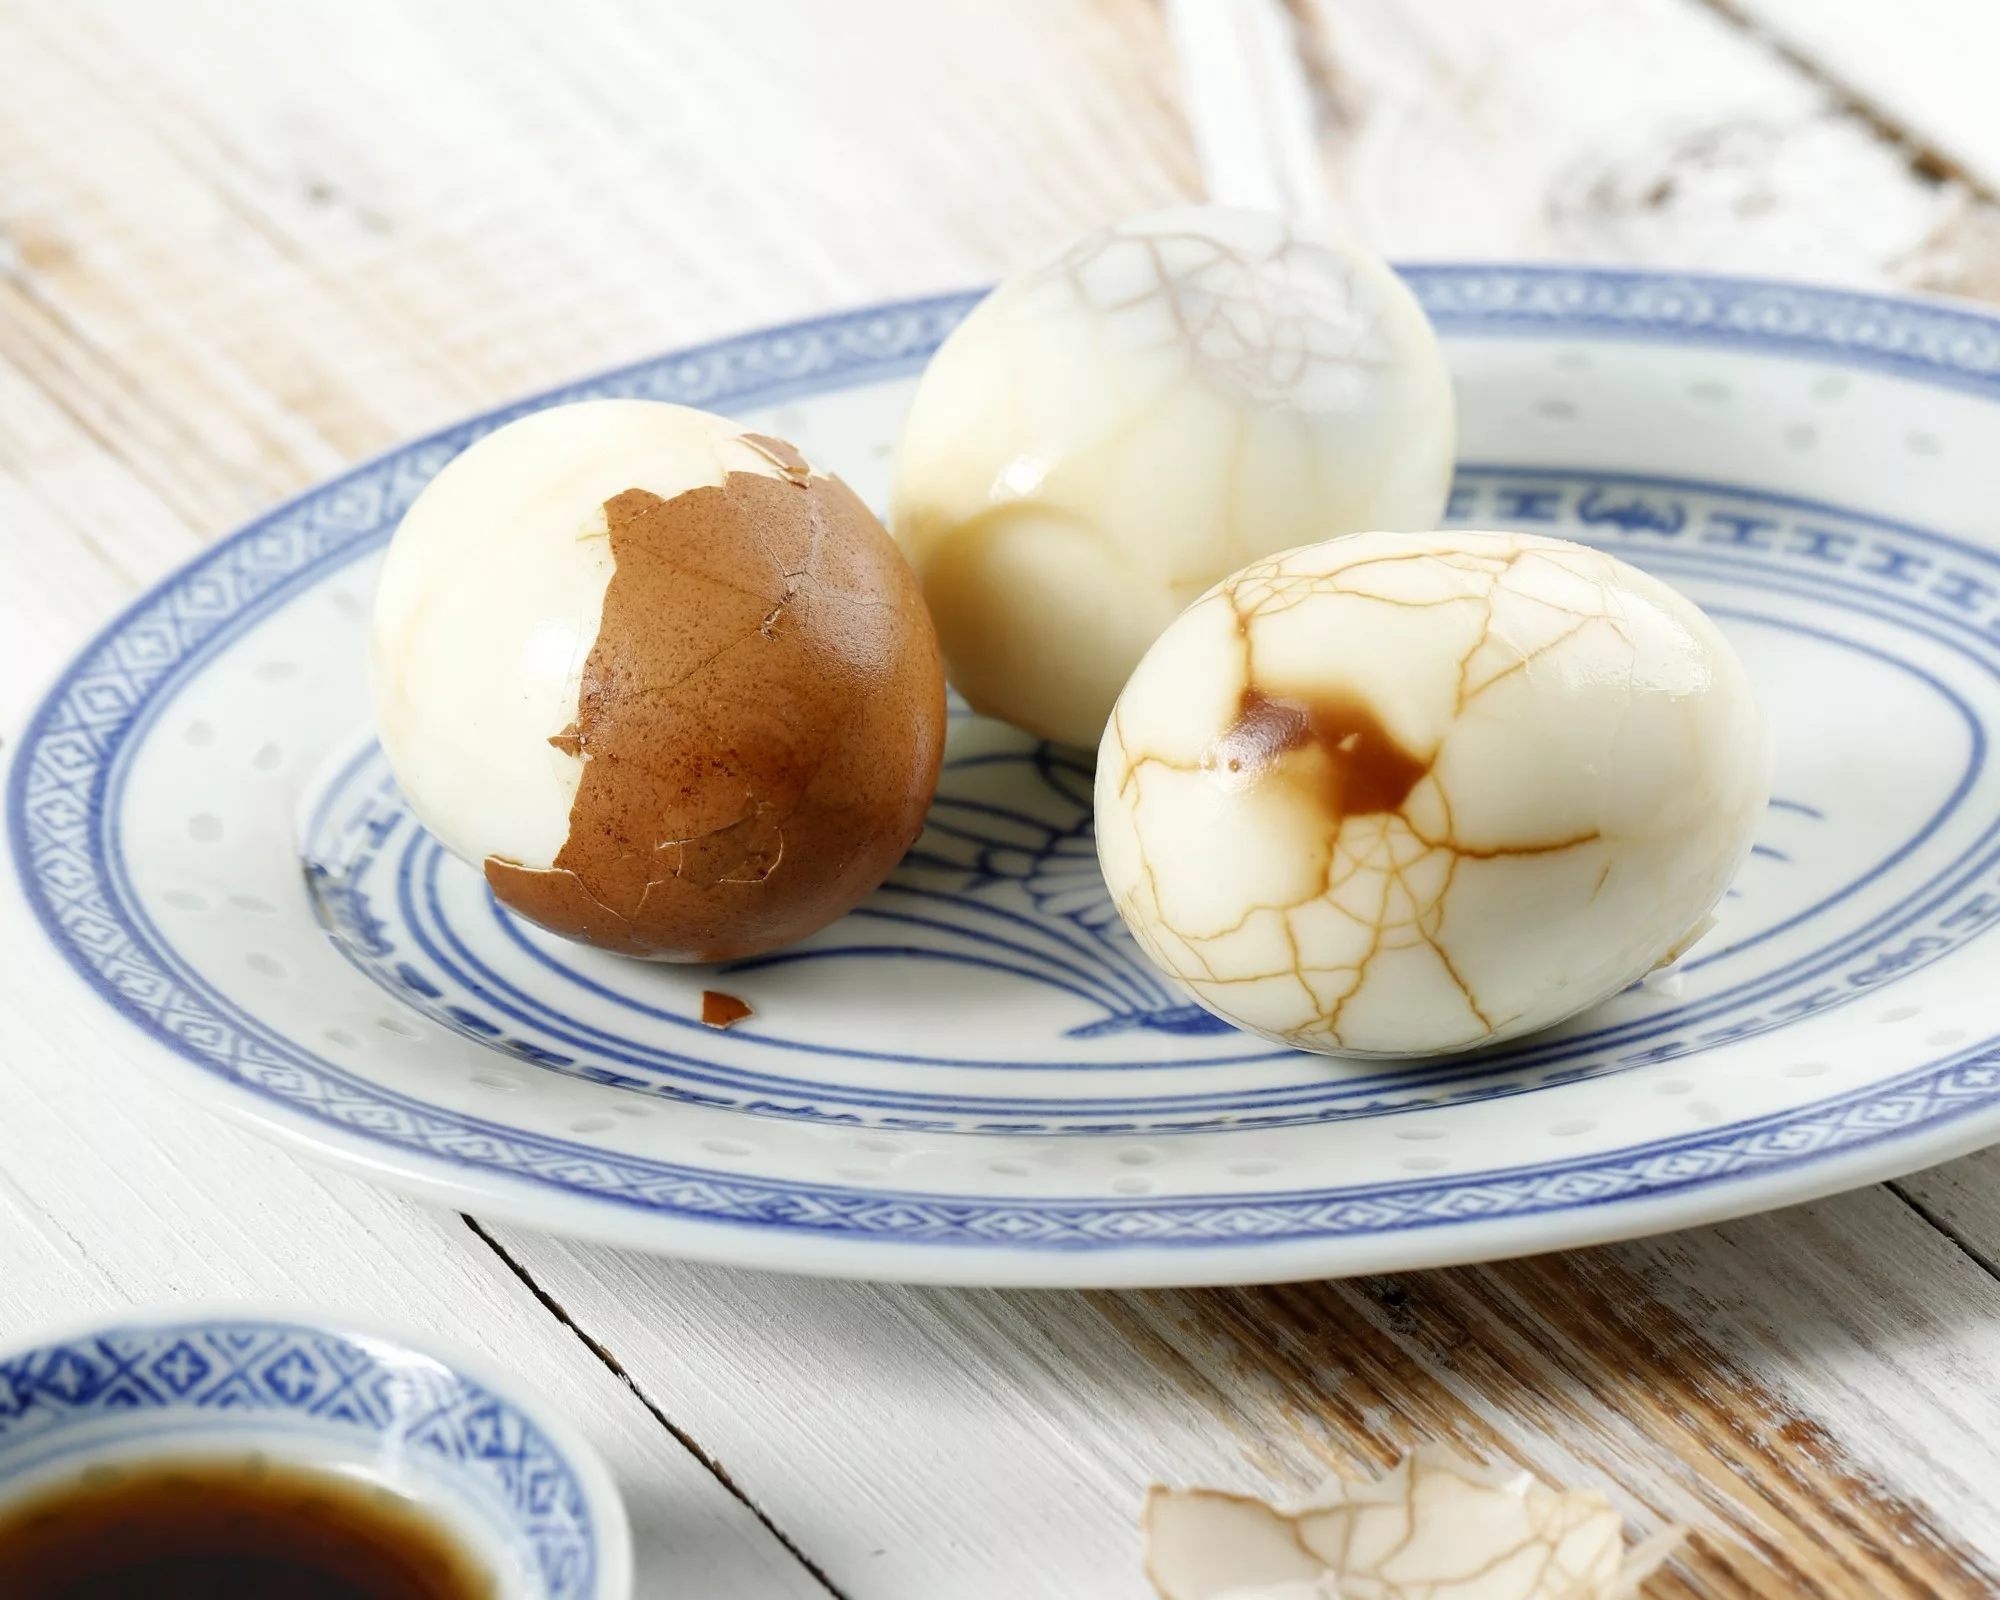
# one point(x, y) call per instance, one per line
point(517, 1486)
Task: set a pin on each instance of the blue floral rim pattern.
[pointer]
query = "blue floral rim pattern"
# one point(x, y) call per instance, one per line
point(65, 782)
point(283, 1372)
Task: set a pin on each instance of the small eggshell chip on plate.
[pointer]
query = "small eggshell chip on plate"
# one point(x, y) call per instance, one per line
point(668, 685)
point(1399, 794)
point(1111, 432)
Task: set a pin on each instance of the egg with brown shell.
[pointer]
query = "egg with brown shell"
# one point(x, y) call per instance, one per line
point(667, 684)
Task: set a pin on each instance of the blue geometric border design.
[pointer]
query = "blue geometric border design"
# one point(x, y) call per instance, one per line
point(1930, 341)
point(63, 788)
point(280, 1371)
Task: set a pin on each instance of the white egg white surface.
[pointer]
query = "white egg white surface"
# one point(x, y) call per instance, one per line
point(490, 600)
point(1112, 432)
point(1397, 794)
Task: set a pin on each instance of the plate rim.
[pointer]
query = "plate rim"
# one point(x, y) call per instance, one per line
point(1932, 339)
point(607, 1525)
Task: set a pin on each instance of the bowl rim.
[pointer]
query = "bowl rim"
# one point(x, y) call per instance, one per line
point(611, 1530)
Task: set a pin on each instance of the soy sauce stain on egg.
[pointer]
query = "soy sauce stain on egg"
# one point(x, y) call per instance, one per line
point(229, 1530)
point(1576, 770)
point(1333, 748)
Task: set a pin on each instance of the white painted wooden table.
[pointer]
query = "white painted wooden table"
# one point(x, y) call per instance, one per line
point(240, 246)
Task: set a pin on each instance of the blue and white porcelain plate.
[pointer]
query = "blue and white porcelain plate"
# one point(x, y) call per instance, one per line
point(976, 1077)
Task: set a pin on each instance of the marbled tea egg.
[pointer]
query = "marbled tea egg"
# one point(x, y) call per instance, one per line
point(1396, 794)
point(1108, 434)
point(668, 685)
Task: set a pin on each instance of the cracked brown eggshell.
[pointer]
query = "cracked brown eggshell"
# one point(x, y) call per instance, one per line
point(668, 685)
point(1396, 794)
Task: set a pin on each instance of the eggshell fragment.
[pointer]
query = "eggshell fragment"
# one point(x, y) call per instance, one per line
point(1398, 794)
point(670, 687)
point(723, 1010)
point(1111, 432)
point(1437, 1525)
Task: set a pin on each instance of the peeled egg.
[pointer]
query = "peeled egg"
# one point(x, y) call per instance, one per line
point(1110, 433)
point(669, 686)
point(1398, 794)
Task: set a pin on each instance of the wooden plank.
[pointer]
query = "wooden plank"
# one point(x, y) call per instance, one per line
point(1620, 130)
point(1963, 1199)
point(1924, 65)
point(264, 258)
point(115, 1192)
point(1794, 1387)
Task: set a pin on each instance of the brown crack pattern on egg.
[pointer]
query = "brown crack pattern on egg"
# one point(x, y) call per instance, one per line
point(1388, 851)
point(761, 722)
point(1280, 319)
point(1436, 1523)
point(1116, 429)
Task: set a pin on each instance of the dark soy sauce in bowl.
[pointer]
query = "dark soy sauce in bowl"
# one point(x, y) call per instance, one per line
point(229, 1530)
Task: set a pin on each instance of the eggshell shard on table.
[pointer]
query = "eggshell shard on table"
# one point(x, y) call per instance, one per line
point(1110, 433)
point(671, 688)
point(1400, 794)
point(1437, 1525)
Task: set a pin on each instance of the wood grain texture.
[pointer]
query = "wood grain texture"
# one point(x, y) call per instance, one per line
point(1962, 1200)
point(354, 222)
point(1621, 130)
point(241, 246)
point(1793, 1387)
point(115, 1192)
point(1925, 66)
